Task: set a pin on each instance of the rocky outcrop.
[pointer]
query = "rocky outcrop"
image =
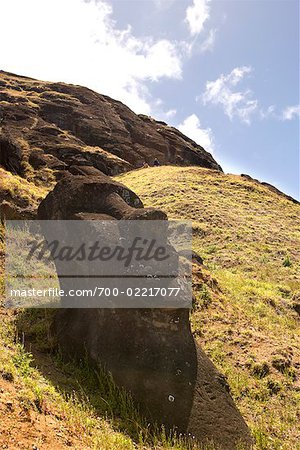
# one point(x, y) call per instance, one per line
point(149, 351)
point(56, 125)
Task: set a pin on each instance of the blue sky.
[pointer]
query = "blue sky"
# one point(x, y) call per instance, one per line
point(225, 72)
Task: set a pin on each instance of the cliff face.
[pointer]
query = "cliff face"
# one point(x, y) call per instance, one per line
point(47, 127)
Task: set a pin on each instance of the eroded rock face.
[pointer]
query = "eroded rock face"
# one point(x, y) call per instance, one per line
point(150, 352)
point(57, 125)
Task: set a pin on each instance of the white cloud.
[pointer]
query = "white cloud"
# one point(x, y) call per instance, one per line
point(197, 15)
point(171, 113)
point(77, 41)
point(209, 42)
point(238, 104)
point(288, 113)
point(267, 113)
point(291, 112)
point(191, 127)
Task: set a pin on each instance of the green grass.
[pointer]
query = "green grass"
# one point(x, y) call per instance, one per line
point(92, 407)
point(242, 316)
point(84, 400)
point(22, 192)
point(249, 238)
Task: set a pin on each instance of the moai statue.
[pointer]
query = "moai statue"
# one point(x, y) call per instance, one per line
point(149, 351)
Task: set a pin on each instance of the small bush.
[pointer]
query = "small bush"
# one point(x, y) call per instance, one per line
point(260, 370)
point(273, 386)
point(287, 262)
point(203, 297)
point(23, 360)
point(281, 363)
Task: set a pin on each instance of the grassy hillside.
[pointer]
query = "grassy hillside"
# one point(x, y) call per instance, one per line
point(48, 404)
point(244, 316)
point(19, 192)
point(249, 238)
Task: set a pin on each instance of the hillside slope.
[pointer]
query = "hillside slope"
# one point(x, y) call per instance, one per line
point(246, 296)
point(247, 314)
point(47, 127)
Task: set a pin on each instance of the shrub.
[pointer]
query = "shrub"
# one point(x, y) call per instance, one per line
point(287, 262)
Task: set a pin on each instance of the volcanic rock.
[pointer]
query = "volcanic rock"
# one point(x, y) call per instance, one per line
point(59, 125)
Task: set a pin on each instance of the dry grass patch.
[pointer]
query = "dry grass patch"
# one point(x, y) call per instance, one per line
point(20, 191)
point(249, 238)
